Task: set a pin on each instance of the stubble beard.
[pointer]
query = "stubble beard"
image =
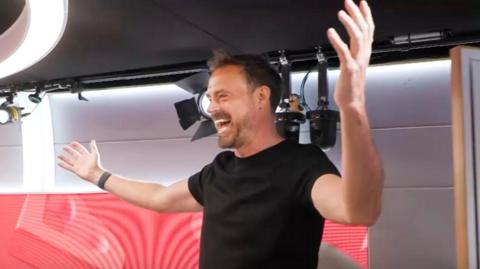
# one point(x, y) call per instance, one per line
point(235, 138)
point(226, 142)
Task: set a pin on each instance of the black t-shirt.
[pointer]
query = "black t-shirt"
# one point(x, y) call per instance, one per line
point(258, 212)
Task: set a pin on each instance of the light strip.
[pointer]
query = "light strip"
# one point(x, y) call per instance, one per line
point(126, 92)
point(384, 70)
point(38, 150)
point(45, 25)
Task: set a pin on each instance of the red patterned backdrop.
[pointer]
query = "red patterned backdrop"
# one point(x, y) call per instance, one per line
point(100, 231)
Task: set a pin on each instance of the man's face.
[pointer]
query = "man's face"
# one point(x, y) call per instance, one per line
point(231, 106)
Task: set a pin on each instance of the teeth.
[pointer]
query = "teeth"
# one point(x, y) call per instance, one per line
point(221, 125)
point(221, 122)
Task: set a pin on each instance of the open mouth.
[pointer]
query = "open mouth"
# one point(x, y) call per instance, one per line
point(222, 125)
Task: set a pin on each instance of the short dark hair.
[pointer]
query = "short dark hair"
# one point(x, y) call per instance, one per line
point(258, 72)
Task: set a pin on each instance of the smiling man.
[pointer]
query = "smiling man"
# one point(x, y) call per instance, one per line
point(266, 201)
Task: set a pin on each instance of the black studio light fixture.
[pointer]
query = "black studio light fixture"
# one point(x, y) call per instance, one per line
point(323, 121)
point(9, 112)
point(194, 109)
point(288, 116)
point(35, 97)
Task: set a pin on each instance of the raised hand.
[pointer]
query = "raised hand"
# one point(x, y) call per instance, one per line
point(354, 59)
point(78, 160)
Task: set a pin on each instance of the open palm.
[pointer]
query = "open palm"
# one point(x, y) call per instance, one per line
point(354, 58)
point(78, 160)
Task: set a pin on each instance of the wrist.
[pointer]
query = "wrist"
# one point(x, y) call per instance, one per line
point(353, 108)
point(95, 175)
point(103, 179)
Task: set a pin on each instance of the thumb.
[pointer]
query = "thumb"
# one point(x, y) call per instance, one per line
point(93, 146)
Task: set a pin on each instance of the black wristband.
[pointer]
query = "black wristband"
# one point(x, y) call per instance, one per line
point(103, 179)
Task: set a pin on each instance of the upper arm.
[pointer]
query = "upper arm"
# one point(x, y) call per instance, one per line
point(327, 198)
point(176, 198)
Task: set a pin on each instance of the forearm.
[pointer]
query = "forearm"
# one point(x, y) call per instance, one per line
point(137, 192)
point(86, 165)
point(362, 168)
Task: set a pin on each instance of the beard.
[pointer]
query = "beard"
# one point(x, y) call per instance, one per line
point(234, 135)
point(228, 141)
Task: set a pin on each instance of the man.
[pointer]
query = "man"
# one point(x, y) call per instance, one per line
point(265, 203)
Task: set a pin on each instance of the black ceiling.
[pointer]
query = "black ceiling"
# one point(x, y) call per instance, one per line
point(9, 12)
point(104, 36)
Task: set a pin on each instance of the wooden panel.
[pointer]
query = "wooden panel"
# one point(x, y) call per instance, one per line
point(465, 117)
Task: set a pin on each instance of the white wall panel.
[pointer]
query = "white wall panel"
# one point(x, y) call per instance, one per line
point(415, 230)
point(412, 157)
point(11, 135)
point(416, 157)
point(11, 177)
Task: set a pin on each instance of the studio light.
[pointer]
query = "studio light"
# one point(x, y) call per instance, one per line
point(413, 38)
point(35, 97)
point(289, 114)
point(9, 112)
point(323, 122)
point(191, 110)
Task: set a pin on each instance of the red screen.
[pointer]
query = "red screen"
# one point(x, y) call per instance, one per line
point(101, 231)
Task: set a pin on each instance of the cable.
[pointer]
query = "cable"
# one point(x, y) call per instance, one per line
point(302, 90)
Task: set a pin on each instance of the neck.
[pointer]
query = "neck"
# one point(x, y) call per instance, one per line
point(263, 139)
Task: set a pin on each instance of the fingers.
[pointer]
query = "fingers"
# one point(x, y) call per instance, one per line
point(93, 146)
point(367, 14)
point(356, 14)
point(65, 165)
point(340, 47)
point(66, 160)
point(353, 30)
point(73, 152)
point(359, 25)
point(79, 147)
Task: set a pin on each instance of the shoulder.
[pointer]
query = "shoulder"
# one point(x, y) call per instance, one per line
point(315, 159)
point(305, 150)
point(220, 162)
point(224, 157)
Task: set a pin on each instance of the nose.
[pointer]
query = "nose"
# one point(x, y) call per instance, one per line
point(212, 107)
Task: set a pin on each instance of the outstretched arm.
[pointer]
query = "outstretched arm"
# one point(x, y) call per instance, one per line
point(356, 197)
point(86, 164)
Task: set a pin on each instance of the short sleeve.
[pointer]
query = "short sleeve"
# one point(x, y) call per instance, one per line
point(195, 184)
point(316, 164)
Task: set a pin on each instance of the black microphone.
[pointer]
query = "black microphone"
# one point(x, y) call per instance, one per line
point(323, 121)
point(323, 127)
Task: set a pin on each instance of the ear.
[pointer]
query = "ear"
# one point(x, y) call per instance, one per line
point(262, 97)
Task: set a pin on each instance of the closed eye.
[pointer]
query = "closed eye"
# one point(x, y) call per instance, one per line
point(222, 97)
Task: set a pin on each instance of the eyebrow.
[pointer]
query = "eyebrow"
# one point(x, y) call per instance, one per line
point(216, 93)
